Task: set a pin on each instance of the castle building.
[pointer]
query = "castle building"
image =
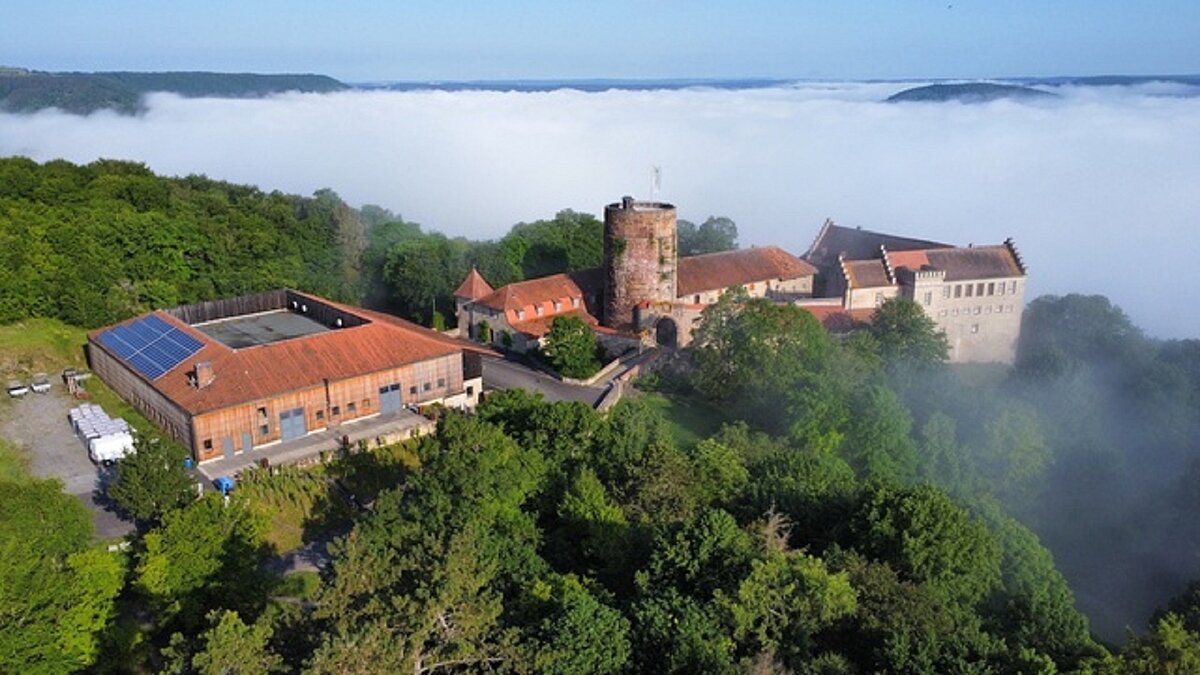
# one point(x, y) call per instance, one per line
point(644, 292)
point(229, 376)
point(974, 294)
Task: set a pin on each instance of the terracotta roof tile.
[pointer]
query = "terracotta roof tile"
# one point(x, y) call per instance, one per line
point(838, 320)
point(526, 293)
point(264, 371)
point(539, 326)
point(473, 287)
point(717, 271)
point(913, 260)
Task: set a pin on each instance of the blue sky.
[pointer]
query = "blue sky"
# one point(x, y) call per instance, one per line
point(359, 41)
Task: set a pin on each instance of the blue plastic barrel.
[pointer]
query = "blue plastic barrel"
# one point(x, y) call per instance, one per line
point(224, 484)
point(187, 463)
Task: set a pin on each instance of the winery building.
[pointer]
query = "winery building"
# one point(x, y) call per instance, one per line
point(228, 376)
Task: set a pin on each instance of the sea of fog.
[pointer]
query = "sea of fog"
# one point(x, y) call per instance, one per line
point(1099, 188)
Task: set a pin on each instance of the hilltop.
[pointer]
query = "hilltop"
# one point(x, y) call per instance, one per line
point(24, 90)
point(970, 92)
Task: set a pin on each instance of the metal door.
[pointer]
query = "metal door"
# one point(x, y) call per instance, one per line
point(246, 442)
point(227, 446)
point(292, 424)
point(389, 398)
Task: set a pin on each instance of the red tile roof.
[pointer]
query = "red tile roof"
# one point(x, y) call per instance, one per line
point(523, 294)
point(539, 326)
point(717, 271)
point(838, 320)
point(473, 287)
point(265, 371)
point(913, 260)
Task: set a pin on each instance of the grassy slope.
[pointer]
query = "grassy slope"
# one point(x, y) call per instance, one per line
point(691, 420)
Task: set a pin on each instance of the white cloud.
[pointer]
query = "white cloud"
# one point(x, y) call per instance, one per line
point(1099, 189)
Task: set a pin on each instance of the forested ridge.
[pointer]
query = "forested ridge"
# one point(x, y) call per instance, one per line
point(863, 507)
point(23, 90)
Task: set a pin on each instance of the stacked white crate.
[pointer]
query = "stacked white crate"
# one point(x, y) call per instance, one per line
point(107, 439)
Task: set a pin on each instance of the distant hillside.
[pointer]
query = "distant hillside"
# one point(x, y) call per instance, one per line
point(972, 92)
point(82, 93)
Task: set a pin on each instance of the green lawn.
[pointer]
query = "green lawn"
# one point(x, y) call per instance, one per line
point(691, 420)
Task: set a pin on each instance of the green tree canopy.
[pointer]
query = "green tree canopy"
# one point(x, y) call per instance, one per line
point(152, 481)
point(571, 347)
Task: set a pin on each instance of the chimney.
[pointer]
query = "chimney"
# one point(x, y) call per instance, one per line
point(204, 375)
point(627, 202)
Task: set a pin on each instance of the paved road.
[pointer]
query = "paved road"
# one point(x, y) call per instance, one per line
point(507, 374)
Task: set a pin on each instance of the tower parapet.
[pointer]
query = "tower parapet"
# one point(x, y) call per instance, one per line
point(640, 257)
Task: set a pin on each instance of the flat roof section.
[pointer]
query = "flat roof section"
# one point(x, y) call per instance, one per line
point(239, 332)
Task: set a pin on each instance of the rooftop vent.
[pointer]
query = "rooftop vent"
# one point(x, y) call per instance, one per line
point(627, 202)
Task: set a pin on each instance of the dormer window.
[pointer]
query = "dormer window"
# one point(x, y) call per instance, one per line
point(575, 302)
point(558, 305)
point(539, 310)
point(520, 315)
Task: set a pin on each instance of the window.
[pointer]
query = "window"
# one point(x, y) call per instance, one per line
point(974, 328)
point(977, 310)
point(470, 391)
point(539, 310)
point(999, 308)
point(520, 315)
point(320, 415)
point(945, 291)
point(262, 412)
point(1012, 287)
point(928, 297)
point(574, 302)
point(208, 444)
point(264, 430)
point(991, 288)
point(878, 299)
point(427, 386)
point(351, 408)
point(337, 410)
point(979, 289)
point(696, 300)
point(970, 289)
point(958, 290)
point(557, 306)
point(441, 382)
point(1000, 287)
point(413, 390)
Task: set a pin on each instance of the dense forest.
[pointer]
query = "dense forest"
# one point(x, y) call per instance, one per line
point(24, 90)
point(857, 505)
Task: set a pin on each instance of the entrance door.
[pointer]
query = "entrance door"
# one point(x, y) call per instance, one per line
point(292, 424)
point(227, 446)
point(389, 398)
point(246, 442)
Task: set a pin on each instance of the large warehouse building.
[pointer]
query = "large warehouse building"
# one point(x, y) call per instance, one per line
point(228, 376)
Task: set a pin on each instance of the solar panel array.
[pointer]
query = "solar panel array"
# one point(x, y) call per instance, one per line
point(150, 345)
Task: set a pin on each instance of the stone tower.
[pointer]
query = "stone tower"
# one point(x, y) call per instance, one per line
point(639, 258)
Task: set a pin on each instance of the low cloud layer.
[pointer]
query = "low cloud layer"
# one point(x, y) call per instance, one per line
point(1100, 189)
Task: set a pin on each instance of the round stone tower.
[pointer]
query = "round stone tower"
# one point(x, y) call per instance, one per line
point(639, 258)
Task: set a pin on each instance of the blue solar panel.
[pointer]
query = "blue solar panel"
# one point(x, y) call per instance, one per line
point(157, 325)
point(184, 340)
point(151, 345)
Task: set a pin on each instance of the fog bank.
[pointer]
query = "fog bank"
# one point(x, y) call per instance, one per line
point(1100, 189)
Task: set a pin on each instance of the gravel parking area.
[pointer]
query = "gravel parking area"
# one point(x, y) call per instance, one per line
point(38, 423)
